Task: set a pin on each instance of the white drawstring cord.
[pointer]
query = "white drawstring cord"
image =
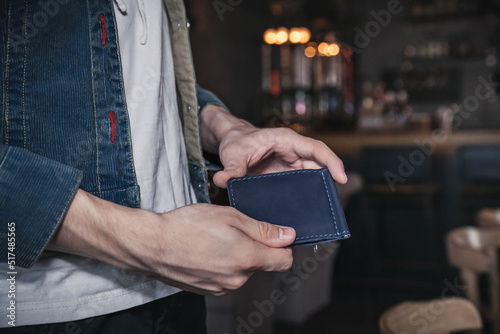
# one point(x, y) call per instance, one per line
point(121, 6)
point(142, 11)
point(144, 36)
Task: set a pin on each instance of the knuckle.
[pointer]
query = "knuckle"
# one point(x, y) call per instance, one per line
point(219, 293)
point(287, 262)
point(318, 145)
point(226, 210)
point(229, 213)
point(247, 263)
point(286, 131)
point(338, 163)
point(235, 282)
point(265, 230)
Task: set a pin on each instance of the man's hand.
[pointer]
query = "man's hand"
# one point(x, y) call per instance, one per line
point(246, 150)
point(218, 248)
point(202, 248)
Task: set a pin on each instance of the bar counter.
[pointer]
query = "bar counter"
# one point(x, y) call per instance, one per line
point(349, 144)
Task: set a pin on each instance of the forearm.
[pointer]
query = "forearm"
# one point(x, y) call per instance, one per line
point(202, 248)
point(216, 122)
point(102, 230)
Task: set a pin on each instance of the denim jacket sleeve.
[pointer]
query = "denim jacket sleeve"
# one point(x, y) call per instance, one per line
point(206, 97)
point(35, 193)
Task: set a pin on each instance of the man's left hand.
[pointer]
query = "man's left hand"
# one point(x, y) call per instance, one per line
point(246, 150)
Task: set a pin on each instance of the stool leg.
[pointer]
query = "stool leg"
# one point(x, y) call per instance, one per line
point(494, 289)
point(471, 288)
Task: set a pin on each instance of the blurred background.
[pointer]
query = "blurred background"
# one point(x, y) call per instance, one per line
point(407, 93)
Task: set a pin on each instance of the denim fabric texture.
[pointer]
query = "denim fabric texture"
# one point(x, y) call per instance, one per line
point(62, 98)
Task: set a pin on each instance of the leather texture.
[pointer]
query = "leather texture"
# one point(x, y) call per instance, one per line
point(306, 200)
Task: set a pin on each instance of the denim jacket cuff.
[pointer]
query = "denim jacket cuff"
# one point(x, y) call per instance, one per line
point(206, 97)
point(35, 193)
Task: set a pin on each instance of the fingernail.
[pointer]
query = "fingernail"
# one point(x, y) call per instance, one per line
point(286, 233)
point(346, 179)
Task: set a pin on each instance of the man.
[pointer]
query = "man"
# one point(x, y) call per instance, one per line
point(101, 162)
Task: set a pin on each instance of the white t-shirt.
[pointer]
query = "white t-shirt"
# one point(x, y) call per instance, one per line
point(157, 142)
point(63, 287)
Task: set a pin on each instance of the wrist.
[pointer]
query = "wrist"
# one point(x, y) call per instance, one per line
point(216, 123)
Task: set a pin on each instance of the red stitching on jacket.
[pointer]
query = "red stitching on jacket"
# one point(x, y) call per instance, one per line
point(112, 119)
point(102, 19)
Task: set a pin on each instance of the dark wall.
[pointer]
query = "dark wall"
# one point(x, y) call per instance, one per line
point(227, 48)
point(226, 52)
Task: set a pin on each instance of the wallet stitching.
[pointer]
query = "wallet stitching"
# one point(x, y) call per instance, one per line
point(230, 188)
point(321, 235)
point(330, 203)
point(275, 174)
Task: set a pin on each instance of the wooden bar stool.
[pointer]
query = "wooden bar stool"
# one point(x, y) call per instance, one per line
point(440, 316)
point(488, 218)
point(475, 251)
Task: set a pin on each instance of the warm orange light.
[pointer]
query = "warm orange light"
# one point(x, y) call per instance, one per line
point(270, 36)
point(297, 127)
point(295, 35)
point(323, 49)
point(305, 35)
point(281, 35)
point(333, 49)
point(310, 51)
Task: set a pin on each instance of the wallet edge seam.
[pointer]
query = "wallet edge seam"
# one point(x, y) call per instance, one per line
point(330, 202)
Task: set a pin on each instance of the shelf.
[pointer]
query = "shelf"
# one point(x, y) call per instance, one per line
point(439, 22)
point(350, 144)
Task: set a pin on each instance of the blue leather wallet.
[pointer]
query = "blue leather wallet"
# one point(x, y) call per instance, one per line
point(306, 200)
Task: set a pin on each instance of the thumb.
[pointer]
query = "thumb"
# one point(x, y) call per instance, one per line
point(270, 235)
point(231, 170)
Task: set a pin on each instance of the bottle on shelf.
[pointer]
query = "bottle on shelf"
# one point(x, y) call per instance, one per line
point(308, 85)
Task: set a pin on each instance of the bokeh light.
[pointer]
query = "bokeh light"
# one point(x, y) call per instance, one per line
point(270, 36)
point(305, 35)
point(281, 35)
point(333, 49)
point(295, 35)
point(310, 51)
point(323, 49)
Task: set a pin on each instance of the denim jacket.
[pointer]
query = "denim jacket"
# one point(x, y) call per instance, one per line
point(64, 123)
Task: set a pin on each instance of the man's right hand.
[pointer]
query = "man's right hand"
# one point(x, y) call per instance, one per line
point(202, 248)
